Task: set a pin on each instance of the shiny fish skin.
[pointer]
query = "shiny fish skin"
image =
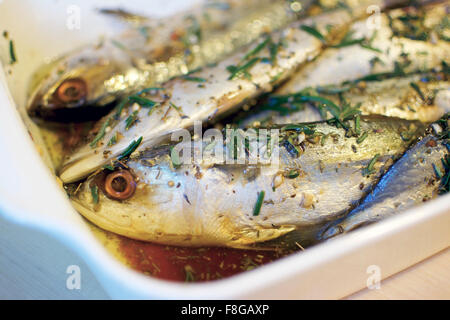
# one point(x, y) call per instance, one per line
point(409, 182)
point(151, 53)
point(218, 95)
point(397, 97)
point(204, 204)
point(337, 65)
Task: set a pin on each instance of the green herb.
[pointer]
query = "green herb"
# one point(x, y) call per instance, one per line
point(120, 107)
point(259, 203)
point(313, 31)
point(113, 140)
point(237, 71)
point(130, 149)
point(100, 134)
point(292, 174)
point(12, 53)
point(307, 129)
point(370, 168)
point(438, 173)
point(143, 102)
point(108, 167)
point(362, 137)
point(94, 193)
point(444, 186)
point(194, 79)
point(147, 90)
point(129, 122)
point(257, 49)
point(417, 89)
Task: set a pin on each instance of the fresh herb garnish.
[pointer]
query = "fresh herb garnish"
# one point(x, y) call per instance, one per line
point(12, 53)
point(100, 134)
point(130, 149)
point(194, 79)
point(370, 167)
point(313, 31)
point(113, 140)
point(417, 89)
point(307, 129)
point(444, 186)
point(94, 193)
point(362, 137)
point(143, 102)
point(292, 174)
point(108, 167)
point(237, 71)
point(259, 203)
point(130, 121)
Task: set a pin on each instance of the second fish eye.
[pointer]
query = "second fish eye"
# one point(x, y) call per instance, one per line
point(71, 90)
point(120, 185)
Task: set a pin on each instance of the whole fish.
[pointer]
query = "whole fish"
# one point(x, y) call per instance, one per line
point(79, 85)
point(419, 175)
point(206, 94)
point(381, 46)
point(424, 97)
point(321, 173)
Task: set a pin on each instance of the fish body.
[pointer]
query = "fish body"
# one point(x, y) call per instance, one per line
point(424, 97)
point(321, 174)
point(374, 47)
point(418, 176)
point(215, 91)
point(82, 84)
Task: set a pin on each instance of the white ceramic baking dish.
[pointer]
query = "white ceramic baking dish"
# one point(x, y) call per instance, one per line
point(29, 194)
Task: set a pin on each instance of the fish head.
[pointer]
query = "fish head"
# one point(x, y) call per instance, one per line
point(68, 85)
point(142, 199)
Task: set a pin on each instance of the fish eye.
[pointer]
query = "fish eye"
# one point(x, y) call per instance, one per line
point(71, 90)
point(120, 185)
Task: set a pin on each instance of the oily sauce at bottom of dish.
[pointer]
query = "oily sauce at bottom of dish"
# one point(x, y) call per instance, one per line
point(192, 264)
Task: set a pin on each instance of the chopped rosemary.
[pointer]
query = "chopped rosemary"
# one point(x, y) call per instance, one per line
point(113, 140)
point(143, 102)
point(237, 71)
point(12, 53)
point(100, 134)
point(109, 167)
point(362, 137)
point(417, 89)
point(94, 193)
point(259, 203)
point(257, 49)
point(438, 172)
point(194, 79)
point(130, 121)
point(307, 129)
point(120, 107)
point(292, 174)
point(313, 31)
point(369, 169)
point(445, 180)
point(130, 149)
